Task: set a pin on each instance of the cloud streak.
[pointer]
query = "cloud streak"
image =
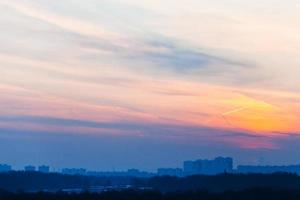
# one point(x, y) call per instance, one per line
point(174, 132)
point(161, 53)
point(63, 22)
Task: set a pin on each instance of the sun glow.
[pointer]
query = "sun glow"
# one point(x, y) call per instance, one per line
point(259, 116)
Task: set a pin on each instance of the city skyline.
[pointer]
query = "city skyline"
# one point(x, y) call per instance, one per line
point(215, 166)
point(122, 83)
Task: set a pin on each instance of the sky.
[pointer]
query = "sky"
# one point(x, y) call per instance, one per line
point(118, 84)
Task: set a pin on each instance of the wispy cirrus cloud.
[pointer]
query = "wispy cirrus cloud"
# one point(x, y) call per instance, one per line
point(161, 53)
point(176, 132)
point(61, 21)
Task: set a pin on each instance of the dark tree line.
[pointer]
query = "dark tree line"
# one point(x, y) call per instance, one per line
point(34, 181)
point(249, 194)
point(222, 182)
point(28, 182)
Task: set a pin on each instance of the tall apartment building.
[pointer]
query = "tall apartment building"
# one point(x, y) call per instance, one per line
point(209, 167)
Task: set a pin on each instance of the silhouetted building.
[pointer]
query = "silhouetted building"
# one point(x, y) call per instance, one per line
point(29, 168)
point(192, 167)
point(133, 172)
point(44, 169)
point(210, 167)
point(5, 168)
point(170, 172)
point(74, 171)
point(268, 169)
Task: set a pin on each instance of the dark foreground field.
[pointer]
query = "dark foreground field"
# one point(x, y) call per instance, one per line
point(34, 182)
point(250, 194)
point(26, 186)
